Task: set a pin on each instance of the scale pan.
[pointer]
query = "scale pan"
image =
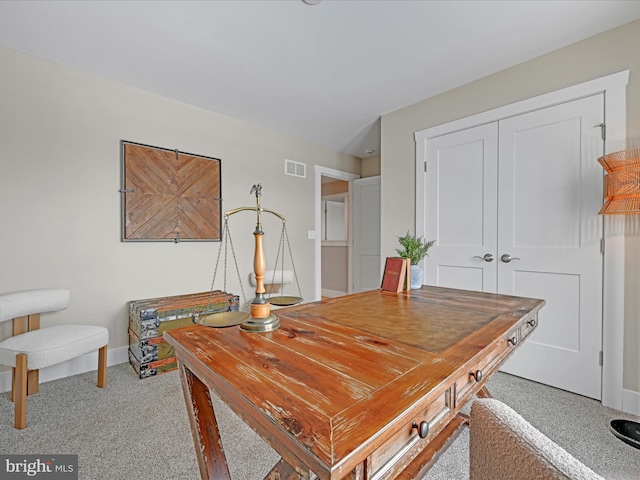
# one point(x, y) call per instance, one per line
point(223, 319)
point(284, 300)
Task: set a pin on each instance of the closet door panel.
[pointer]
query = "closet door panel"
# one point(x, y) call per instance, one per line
point(461, 205)
point(548, 224)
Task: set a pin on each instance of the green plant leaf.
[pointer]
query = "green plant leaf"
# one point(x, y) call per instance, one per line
point(414, 247)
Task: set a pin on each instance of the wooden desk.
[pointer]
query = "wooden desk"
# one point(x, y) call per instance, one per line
point(344, 386)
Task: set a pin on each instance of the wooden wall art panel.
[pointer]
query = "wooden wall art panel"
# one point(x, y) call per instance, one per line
point(168, 195)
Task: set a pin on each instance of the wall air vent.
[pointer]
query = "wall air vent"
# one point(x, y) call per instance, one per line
point(296, 169)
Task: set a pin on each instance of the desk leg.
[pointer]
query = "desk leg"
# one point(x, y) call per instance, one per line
point(204, 427)
point(283, 471)
point(484, 393)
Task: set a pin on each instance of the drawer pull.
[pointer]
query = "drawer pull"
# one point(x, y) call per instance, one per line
point(477, 375)
point(532, 322)
point(513, 341)
point(423, 428)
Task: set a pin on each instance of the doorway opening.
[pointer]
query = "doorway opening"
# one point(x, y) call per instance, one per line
point(333, 227)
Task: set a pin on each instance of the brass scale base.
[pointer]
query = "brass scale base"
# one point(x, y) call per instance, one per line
point(260, 319)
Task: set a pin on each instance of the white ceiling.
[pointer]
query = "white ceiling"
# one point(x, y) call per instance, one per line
point(324, 72)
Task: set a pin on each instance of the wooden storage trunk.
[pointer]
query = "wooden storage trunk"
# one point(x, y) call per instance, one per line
point(149, 369)
point(149, 354)
point(149, 349)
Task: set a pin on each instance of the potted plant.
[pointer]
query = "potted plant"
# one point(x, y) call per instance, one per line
point(415, 248)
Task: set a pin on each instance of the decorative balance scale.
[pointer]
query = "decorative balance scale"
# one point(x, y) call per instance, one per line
point(259, 318)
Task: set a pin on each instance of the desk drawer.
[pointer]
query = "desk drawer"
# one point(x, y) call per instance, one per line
point(486, 363)
point(528, 326)
point(386, 459)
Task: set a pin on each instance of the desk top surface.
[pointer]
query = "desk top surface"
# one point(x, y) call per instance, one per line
point(338, 372)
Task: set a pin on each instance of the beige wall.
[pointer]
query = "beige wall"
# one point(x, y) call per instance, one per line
point(335, 187)
point(335, 271)
point(371, 166)
point(601, 55)
point(60, 133)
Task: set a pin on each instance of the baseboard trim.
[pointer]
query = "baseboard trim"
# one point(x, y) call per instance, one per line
point(332, 293)
point(631, 402)
point(82, 364)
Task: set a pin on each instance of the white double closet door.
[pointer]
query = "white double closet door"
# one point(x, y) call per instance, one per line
point(513, 206)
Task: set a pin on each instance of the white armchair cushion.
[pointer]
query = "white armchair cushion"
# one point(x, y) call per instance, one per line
point(504, 446)
point(53, 345)
point(20, 304)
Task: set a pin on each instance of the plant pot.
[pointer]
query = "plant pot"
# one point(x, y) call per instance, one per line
point(417, 276)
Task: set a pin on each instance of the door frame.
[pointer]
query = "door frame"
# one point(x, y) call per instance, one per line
point(319, 172)
point(614, 88)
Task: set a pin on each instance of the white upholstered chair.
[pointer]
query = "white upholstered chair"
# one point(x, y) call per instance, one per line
point(32, 348)
point(504, 446)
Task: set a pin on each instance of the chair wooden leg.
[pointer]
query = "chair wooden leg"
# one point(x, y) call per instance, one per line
point(13, 383)
point(102, 367)
point(33, 382)
point(19, 391)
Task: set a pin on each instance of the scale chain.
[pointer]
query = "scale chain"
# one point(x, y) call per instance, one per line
point(226, 239)
point(273, 278)
point(235, 261)
point(293, 266)
point(215, 270)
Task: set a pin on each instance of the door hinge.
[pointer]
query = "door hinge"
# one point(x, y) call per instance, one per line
point(425, 167)
point(602, 245)
point(603, 130)
point(601, 358)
